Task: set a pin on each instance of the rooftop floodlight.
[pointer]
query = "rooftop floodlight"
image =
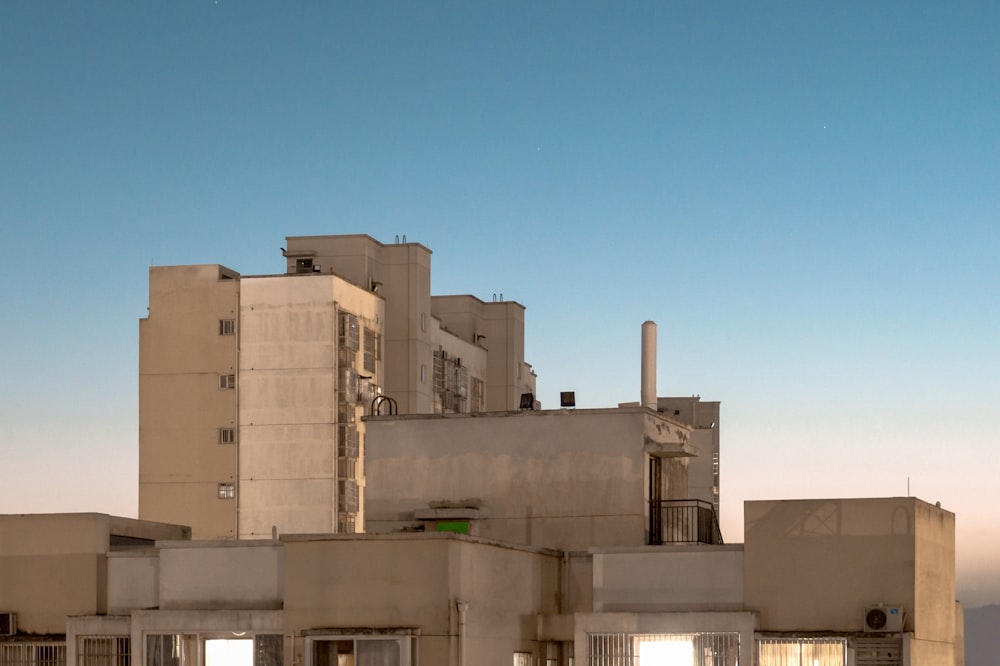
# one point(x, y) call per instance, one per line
point(527, 401)
point(567, 399)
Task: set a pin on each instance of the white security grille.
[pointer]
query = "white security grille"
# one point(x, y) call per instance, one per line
point(32, 654)
point(103, 651)
point(802, 651)
point(709, 648)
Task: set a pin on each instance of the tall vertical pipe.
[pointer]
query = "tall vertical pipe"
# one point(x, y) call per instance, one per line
point(649, 364)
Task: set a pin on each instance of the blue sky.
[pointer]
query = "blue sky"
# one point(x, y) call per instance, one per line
point(802, 195)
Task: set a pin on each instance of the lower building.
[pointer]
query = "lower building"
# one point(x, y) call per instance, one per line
point(839, 582)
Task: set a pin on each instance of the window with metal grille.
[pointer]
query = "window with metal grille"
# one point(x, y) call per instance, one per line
point(478, 402)
point(347, 441)
point(347, 495)
point(227, 490)
point(350, 332)
point(708, 647)
point(227, 435)
point(347, 468)
point(373, 349)
point(103, 651)
point(227, 327)
point(802, 651)
point(372, 650)
point(345, 524)
point(451, 383)
point(227, 381)
point(33, 653)
point(346, 413)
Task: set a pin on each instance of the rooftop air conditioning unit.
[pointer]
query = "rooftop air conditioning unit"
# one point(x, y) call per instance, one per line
point(8, 624)
point(884, 619)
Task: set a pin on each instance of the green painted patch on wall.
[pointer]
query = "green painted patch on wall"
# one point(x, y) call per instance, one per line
point(460, 526)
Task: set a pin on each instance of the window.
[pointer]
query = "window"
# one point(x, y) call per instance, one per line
point(227, 435)
point(304, 266)
point(33, 653)
point(227, 490)
point(350, 332)
point(208, 650)
point(103, 651)
point(369, 650)
point(227, 381)
point(373, 349)
point(706, 647)
point(802, 652)
point(347, 495)
point(227, 327)
point(478, 394)
point(523, 659)
point(346, 523)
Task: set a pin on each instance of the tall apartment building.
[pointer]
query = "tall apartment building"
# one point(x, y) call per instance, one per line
point(252, 388)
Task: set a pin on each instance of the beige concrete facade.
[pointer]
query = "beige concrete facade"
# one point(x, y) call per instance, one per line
point(299, 382)
point(498, 328)
point(556, 479)
point(251, 394)
point(806, 575)
point(54, 565)
point(185, 361)
point(817, 565)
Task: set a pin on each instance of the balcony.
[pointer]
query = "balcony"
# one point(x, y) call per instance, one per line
point(683, 521)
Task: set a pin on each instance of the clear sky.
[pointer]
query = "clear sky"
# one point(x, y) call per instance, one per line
point(803, 195)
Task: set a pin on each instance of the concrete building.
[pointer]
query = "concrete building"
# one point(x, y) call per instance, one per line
point(858, 582)
point(252, 388)
point(340, 395)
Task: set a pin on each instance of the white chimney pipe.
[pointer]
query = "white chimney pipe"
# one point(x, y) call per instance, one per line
point(649, 364)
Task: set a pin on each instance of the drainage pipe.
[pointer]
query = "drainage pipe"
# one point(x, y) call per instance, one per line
point(463, 609)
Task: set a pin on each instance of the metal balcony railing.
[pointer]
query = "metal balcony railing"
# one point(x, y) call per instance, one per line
point(683, 521)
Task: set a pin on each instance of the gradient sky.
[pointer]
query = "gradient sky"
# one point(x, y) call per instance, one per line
point(803, 195)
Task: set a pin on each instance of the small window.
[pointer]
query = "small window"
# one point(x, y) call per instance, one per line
point(303, 265)
point(227, 490)
point(227, 327)
point(523, 659)
point(227, 381)
point(227, 435)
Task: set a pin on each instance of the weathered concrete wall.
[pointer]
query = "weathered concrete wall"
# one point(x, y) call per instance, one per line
point(133, 580)
point(288, 399)
point(403, 274)
point(558, 479)
point(415, 581)
point(934, 607)
point(505, 588)
point(669, 578)
point(54, 565)
point(181, 356)
point(851, 553)
point(209, 575)
point(501, 325)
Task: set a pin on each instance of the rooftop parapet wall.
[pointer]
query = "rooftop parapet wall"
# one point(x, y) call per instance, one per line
point(560, 479)
point(851, 554)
